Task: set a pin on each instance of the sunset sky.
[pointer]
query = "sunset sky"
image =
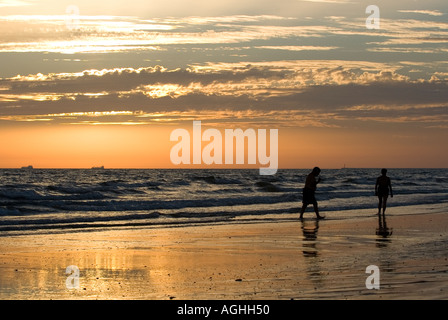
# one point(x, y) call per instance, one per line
point(90, 83)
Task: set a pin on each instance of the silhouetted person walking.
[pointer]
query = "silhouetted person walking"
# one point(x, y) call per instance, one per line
point(383, 188)
point(308, 192)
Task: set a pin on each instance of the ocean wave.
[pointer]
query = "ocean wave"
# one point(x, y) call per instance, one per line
point(267, 186)
point(69, 197)
point(216, 180)
point(75, 218)
point(134, 205)
point(20, 194)
point(9, 212)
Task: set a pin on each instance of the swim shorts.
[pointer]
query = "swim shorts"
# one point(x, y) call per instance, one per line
point(308, 196)
point(383, 192)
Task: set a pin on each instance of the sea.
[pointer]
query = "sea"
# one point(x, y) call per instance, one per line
point(74, 200)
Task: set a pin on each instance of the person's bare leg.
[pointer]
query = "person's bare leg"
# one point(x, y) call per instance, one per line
point(302, 211)
point(380, 204)
point(316, 210)
point(384, 204)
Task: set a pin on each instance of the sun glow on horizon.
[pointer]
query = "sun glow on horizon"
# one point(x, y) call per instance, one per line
point(84, 84)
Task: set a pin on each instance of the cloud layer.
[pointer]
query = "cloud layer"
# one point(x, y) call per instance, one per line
point(305, 93)
point(322, 70)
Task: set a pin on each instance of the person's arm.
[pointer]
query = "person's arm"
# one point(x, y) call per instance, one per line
point(376, 187)
point(390, 188)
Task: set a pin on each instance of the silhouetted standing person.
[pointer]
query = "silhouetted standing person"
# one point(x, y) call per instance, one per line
point(383, 188)
point(309, 191)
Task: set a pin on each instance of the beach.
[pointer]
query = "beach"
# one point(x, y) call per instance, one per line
point(275, 260)
point(166, 151)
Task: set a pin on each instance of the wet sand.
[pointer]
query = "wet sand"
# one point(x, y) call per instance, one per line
point(270, 260)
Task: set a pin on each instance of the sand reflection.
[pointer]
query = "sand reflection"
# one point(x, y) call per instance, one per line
point(383, 232)
point(309, 229)
point(311, 253)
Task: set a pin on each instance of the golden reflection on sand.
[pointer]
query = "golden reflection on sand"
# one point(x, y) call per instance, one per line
point(289, 260)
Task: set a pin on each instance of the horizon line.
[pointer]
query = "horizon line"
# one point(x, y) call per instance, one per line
point(209, 168)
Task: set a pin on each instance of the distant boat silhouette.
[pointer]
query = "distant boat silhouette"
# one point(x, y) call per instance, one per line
point(29, 167)
point(98, 168)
